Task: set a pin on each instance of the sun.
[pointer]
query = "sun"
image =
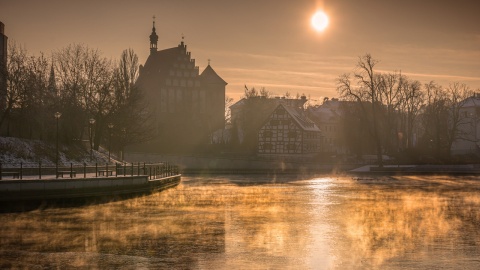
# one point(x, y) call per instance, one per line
point(320, 21)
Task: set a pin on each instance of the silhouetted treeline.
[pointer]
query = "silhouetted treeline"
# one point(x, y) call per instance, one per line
point(90, 91)
point(400, 116)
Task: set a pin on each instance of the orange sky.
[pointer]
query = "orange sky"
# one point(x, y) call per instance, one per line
point(268, 43)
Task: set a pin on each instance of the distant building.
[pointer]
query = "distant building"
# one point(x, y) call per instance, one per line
point(274, 127)
point(328, 117)
point(288, 132)
point(345, 131)
point(188, 107)
point(247, 113)
point(3, 67)
point(468, 141)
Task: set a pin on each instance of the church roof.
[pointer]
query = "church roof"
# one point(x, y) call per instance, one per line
point(161, 61)
point(210, 75)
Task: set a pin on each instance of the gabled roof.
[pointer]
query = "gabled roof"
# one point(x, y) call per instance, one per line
point(473, 101)
point(161, 61)
point(300, 118)
point(211, 76)
point(264, 101)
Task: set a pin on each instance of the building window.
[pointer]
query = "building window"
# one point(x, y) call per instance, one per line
point(292, 134)
point(268, 146)
point(280, 135)
point(267, 134)
point(274, 122)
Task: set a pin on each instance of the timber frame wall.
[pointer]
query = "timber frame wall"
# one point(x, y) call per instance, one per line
point(282, 134)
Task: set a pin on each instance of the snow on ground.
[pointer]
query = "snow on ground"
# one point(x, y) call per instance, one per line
point(30, 153)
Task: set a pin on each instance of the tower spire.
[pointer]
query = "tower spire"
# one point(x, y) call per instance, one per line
point(153, 38)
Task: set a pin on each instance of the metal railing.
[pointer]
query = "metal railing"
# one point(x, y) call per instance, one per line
point(77, 170)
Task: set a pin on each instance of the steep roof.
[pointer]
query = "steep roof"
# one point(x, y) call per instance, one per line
point(472, 101)
point(211, 76)
point(161, 61)
point(269, 101)
point(326, 112)
point(303, 121)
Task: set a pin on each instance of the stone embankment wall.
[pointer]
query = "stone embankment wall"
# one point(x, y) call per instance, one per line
point(81, 187)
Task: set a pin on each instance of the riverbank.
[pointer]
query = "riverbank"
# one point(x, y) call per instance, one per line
point(29, 194)
point(467, 169)
point(198, 165)
point(191, 164)
point(50, 189)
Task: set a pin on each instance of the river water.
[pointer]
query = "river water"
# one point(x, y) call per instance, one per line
point(260, 222)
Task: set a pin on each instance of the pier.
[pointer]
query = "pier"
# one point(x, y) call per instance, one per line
point(81, 181)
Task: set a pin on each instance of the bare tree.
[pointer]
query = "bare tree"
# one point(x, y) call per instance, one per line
point(87, 90)
point(389, 96)
point(228, 113)
point(458, 94)
point(442, 120)
point(130, 116)
point(412, 100)
point(16, 77)
point(366, 90)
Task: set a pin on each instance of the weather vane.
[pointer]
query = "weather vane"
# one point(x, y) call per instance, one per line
point(209, 61)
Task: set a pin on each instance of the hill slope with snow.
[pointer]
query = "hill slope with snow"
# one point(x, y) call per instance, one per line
point(16, 151)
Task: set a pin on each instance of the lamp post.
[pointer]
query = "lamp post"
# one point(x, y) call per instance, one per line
point(124, 133)
point(57, 117)
point(91, 121)
point(110, 126)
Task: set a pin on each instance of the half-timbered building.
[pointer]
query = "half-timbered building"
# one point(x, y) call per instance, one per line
point(288, 132)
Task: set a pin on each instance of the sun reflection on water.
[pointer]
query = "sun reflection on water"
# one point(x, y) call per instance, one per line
point(237, 222)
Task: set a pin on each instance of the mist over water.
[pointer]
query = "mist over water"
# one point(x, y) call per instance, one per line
point(245, 222)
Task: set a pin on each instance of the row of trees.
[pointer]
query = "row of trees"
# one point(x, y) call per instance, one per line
point(96, 97)
point(396, 111)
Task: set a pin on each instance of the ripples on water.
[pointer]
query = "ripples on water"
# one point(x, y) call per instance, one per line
point(245, 222)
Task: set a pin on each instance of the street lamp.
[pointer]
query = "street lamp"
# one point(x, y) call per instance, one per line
point(124, 133)
point(110, 126)
point(57, 117)
point(92, 121)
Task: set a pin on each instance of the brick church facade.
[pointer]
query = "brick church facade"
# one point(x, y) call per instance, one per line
point(187, 106)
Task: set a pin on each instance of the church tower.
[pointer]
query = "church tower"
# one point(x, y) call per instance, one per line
point(153, 39)
point(186, 107)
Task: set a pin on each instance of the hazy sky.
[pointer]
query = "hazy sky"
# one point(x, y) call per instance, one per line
point(268, 43)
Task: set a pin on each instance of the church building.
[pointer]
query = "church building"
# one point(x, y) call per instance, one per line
point(187, 106)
